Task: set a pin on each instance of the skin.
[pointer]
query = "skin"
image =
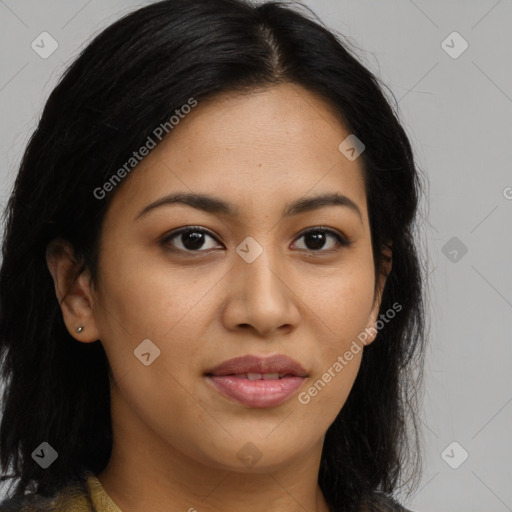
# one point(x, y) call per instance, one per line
point(176, 439)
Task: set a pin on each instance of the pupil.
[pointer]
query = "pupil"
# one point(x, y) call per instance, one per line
point(318, 240)
point(195, 238)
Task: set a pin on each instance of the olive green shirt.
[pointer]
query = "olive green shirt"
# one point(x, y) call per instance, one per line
point(91, 497)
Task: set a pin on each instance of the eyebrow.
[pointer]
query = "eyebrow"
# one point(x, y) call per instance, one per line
point(215, 205)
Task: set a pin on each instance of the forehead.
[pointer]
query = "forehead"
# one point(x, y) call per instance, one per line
point(273, 145)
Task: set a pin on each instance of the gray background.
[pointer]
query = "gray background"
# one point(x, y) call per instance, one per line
point(457, 112)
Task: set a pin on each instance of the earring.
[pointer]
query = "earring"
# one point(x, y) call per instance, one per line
point(80, 329)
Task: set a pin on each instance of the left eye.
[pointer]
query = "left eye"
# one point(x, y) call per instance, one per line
point(317, 238)
point(191, 239)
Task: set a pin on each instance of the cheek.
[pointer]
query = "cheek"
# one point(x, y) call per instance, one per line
point(169, 412)
point(342, 308)
point(343, 304)
point(349, 312)
point(326, 392)
point(146, 294)
point(338, 355)
point(142, 299)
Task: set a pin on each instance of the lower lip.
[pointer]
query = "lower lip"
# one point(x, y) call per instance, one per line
point(256, 393)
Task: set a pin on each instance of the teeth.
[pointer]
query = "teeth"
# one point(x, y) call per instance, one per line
point(264, 376)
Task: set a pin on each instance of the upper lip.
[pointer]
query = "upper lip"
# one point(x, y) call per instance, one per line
point(254, 364)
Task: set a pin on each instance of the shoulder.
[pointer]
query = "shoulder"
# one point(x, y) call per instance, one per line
point(71, 498)
point(27, 503)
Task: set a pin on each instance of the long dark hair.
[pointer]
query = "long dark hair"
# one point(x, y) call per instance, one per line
point(131, 78)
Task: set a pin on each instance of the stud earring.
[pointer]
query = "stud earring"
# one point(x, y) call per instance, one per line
point(80, 329)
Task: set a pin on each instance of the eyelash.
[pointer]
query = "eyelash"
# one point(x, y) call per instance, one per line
point(342, 241)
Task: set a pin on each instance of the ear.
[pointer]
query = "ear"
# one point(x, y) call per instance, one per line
point(381, 282)
point(73, 290)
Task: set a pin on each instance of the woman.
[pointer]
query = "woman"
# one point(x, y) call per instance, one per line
point(210, 293)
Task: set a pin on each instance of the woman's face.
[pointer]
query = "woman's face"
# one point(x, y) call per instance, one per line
point(255, 284)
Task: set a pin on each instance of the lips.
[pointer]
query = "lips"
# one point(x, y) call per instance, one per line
point(280, 364)
point(256, 381)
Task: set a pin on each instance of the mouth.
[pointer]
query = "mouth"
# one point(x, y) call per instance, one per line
point(257, 376)
point(257, 381)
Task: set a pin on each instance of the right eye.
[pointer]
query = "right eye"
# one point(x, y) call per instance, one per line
point(189, 239)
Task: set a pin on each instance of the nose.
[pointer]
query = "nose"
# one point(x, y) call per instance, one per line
point(260, 295)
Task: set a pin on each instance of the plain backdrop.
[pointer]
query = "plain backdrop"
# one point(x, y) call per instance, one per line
point(448, 64)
